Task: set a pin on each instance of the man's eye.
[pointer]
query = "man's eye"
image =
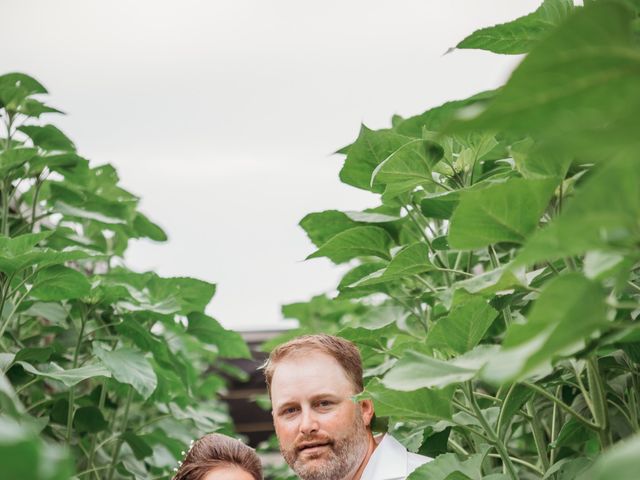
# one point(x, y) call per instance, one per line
point(324, 403)
point(289, 410)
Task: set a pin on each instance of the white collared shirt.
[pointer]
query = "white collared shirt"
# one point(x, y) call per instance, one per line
point(392, 461)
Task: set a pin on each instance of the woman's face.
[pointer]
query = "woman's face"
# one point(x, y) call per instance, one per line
point(228, 473)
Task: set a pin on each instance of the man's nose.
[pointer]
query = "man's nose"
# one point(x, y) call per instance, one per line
point(308, 422)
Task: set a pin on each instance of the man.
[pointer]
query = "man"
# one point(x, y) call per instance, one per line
point(324, 434)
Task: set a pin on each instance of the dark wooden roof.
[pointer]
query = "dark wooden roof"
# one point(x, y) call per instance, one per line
point(250, 420)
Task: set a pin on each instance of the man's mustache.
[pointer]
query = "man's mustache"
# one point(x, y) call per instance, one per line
point(312, 441)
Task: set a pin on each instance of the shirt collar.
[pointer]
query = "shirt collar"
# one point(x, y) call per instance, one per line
point(388, 461)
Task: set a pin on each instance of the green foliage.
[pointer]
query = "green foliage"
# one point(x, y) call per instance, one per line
point(520, 35)
point(101, 368)
point(497, 309)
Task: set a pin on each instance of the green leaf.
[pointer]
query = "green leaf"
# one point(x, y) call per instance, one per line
point(411, 260)
point(53, 312)
point(18, 252)
point(496, 280)
point(24, 455)
point(89, 420)
point(376, 338)
point(15, 88)
point(436, 118)
point(15, 158)
point(569, 309)
point(163, 295)
point(532, 163)
point(207, 329)
point(87, 214)
point(464, 327)
point(193, 294)
point(372, 215)
point(407, 167)
point(416, 370)
point(440, 205)
point(33, 108)
point(146, 228)
point(130, 367)
point(356, 274)
point(573, 433)
point(621, 462)
point(69, 377)
point(60, 162)
point(561, 94)
point(13, 260)
point(601, 216)
point(422, 404)
point(322, 226)
point(599, 265)
point(448, 467)
point(146, 341)
point(34, 354)
point(141, 449)
point(356, 242)
point(366, 153)
point(60, 283)
point(48, 137)
point(513, 400)
point(503, 212)
point(520, 35)
point(568, 469)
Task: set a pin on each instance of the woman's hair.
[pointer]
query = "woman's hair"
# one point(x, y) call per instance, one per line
point(215, 450)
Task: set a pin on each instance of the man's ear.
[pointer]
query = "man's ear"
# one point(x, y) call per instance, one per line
point(366, 409)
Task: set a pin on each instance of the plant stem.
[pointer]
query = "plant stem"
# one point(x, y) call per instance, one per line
point(436, 257)
point(425, 283)
point(92, 447)
point(562, 405)
point(495, 263)
point(583, 390)
point(7, 320)
point(506, 459)
point(6, 184)
point(72, 390)
point(505, 402)
point(34, 204)
point(92, 470)
point(524, 463)
point(457, 447)
point(28, 384)
point(599, 398)
point(554, 427)
point(633, 401)
point(118, 445)
point(538, 436)
point(459, 272)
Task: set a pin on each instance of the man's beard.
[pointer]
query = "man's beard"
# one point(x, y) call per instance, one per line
point(342, 457)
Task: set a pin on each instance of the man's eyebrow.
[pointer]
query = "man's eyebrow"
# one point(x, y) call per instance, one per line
point(313, 398)
point(318, 396)
point(286, 404)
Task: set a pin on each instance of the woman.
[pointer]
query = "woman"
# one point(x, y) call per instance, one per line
point(218, 457)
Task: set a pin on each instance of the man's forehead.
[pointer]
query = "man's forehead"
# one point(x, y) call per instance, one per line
point(307, 371)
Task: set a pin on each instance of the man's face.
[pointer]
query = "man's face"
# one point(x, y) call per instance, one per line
point(321, 430)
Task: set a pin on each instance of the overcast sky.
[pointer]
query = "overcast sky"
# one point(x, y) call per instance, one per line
point(222, 115)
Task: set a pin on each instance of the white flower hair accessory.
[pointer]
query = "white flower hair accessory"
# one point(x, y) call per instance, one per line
point(184, 455)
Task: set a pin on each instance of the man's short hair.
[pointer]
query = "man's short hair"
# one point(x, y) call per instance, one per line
point(345, 353)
